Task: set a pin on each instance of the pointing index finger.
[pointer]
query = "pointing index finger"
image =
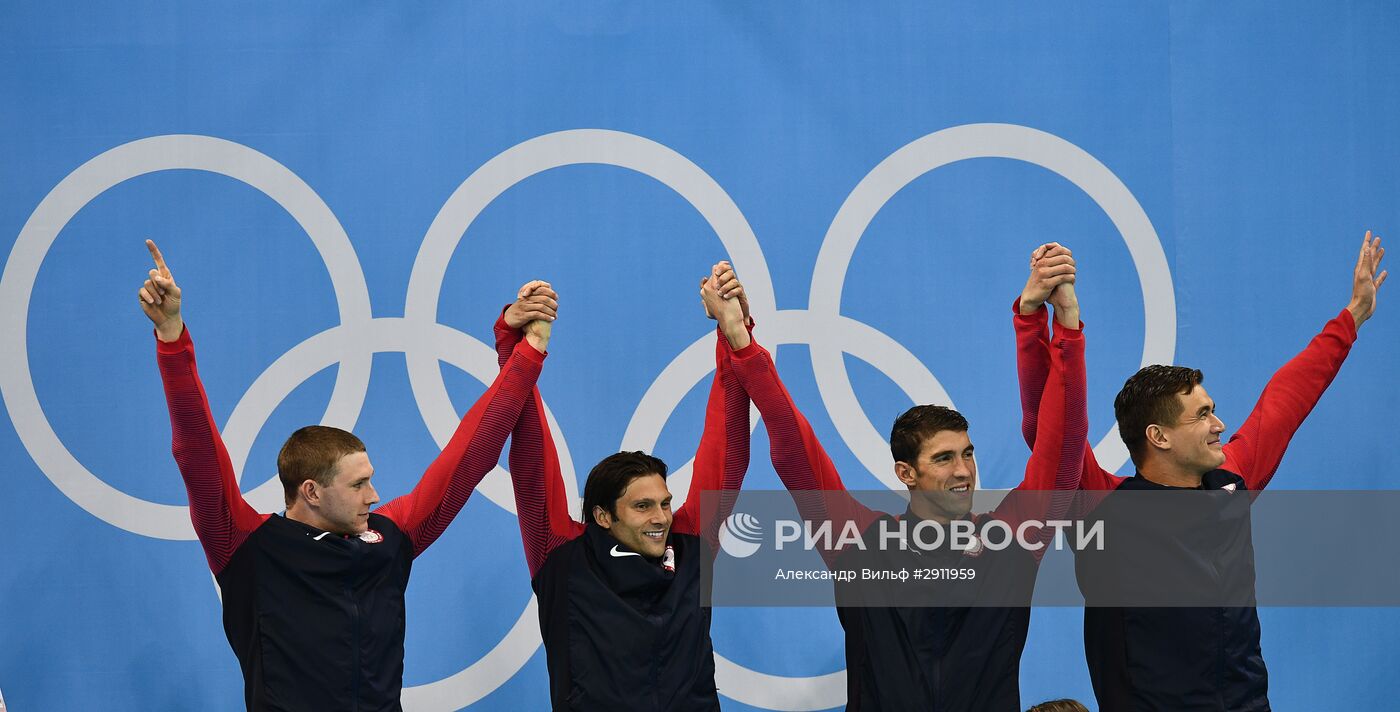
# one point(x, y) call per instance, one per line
point(155, 255)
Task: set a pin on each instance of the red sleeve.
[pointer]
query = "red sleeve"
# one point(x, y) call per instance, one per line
point(798, 457)
point(222, 519)
point(1256, 449)
point(472, 452)
point(506, 338)
point(1032, 363)
point(541, 504)
point(1057, 457)
point(1033, 368)
point(723, 456)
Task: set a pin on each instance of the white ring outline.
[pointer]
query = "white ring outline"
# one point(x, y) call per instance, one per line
point(556, 150)
point(959, 143)
point(108, 169)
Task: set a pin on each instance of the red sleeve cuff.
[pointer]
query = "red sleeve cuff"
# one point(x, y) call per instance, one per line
point(724, 340)
point(750, 351)
point(529, 352)
point(1065, 334)
point(1016, 308)
point(174, 347)
point(1348, 322)
point(1036, 317)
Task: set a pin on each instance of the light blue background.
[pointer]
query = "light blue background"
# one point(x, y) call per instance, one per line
point(1261, 139)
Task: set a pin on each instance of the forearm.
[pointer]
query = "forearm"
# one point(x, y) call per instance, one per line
point(798, 457)
point(1032, 365)
point(737, 333)
point(221, 518)
point(722, 458)
point(536, 480)
point(506, 338)
point(1057, 459)
point(1256, 449)
point(472, 452)
point(1066, 414)
point(541, 504)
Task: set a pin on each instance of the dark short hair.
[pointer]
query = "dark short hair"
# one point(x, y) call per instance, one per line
point(919, 424)
point(1148, 397)
point(311, 453)
point(609, 479)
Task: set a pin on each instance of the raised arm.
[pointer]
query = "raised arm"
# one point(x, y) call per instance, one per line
point(472, 452)
point(798, 457)
point(221, 517)
point(1255, 450)
point(541, 504)
point(1052, 265)
point(1057, 455)
point(722, 458)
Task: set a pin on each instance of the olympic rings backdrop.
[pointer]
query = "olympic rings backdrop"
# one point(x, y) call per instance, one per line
point(348, 193)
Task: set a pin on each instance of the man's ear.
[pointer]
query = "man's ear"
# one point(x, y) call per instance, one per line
point(905, 472)
point(602, 517)
point(1157, 437)
point(310, 492)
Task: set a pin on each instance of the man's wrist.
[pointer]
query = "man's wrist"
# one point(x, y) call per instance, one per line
point(1029, 305)
point(170, 331)
point(1067, 317)
point(537, 334)
point(1358, 314)
point(736, 333)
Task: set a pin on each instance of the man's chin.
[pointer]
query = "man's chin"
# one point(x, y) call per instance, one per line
point(959, 510)
point(652, 549)
point(956, 504)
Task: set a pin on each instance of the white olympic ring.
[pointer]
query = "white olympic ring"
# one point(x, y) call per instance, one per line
point(426, 343)
point(160, 153)
point(556, 150)
point(961, 143)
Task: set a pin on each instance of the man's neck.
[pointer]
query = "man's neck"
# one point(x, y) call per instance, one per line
point(1170, 476)
point(922, 508)
point(298, 512)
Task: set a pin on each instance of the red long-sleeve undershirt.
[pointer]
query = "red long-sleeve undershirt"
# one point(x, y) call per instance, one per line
point(222, 519)
point(811, 477)
point(541, 503)
point(1257, 447)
